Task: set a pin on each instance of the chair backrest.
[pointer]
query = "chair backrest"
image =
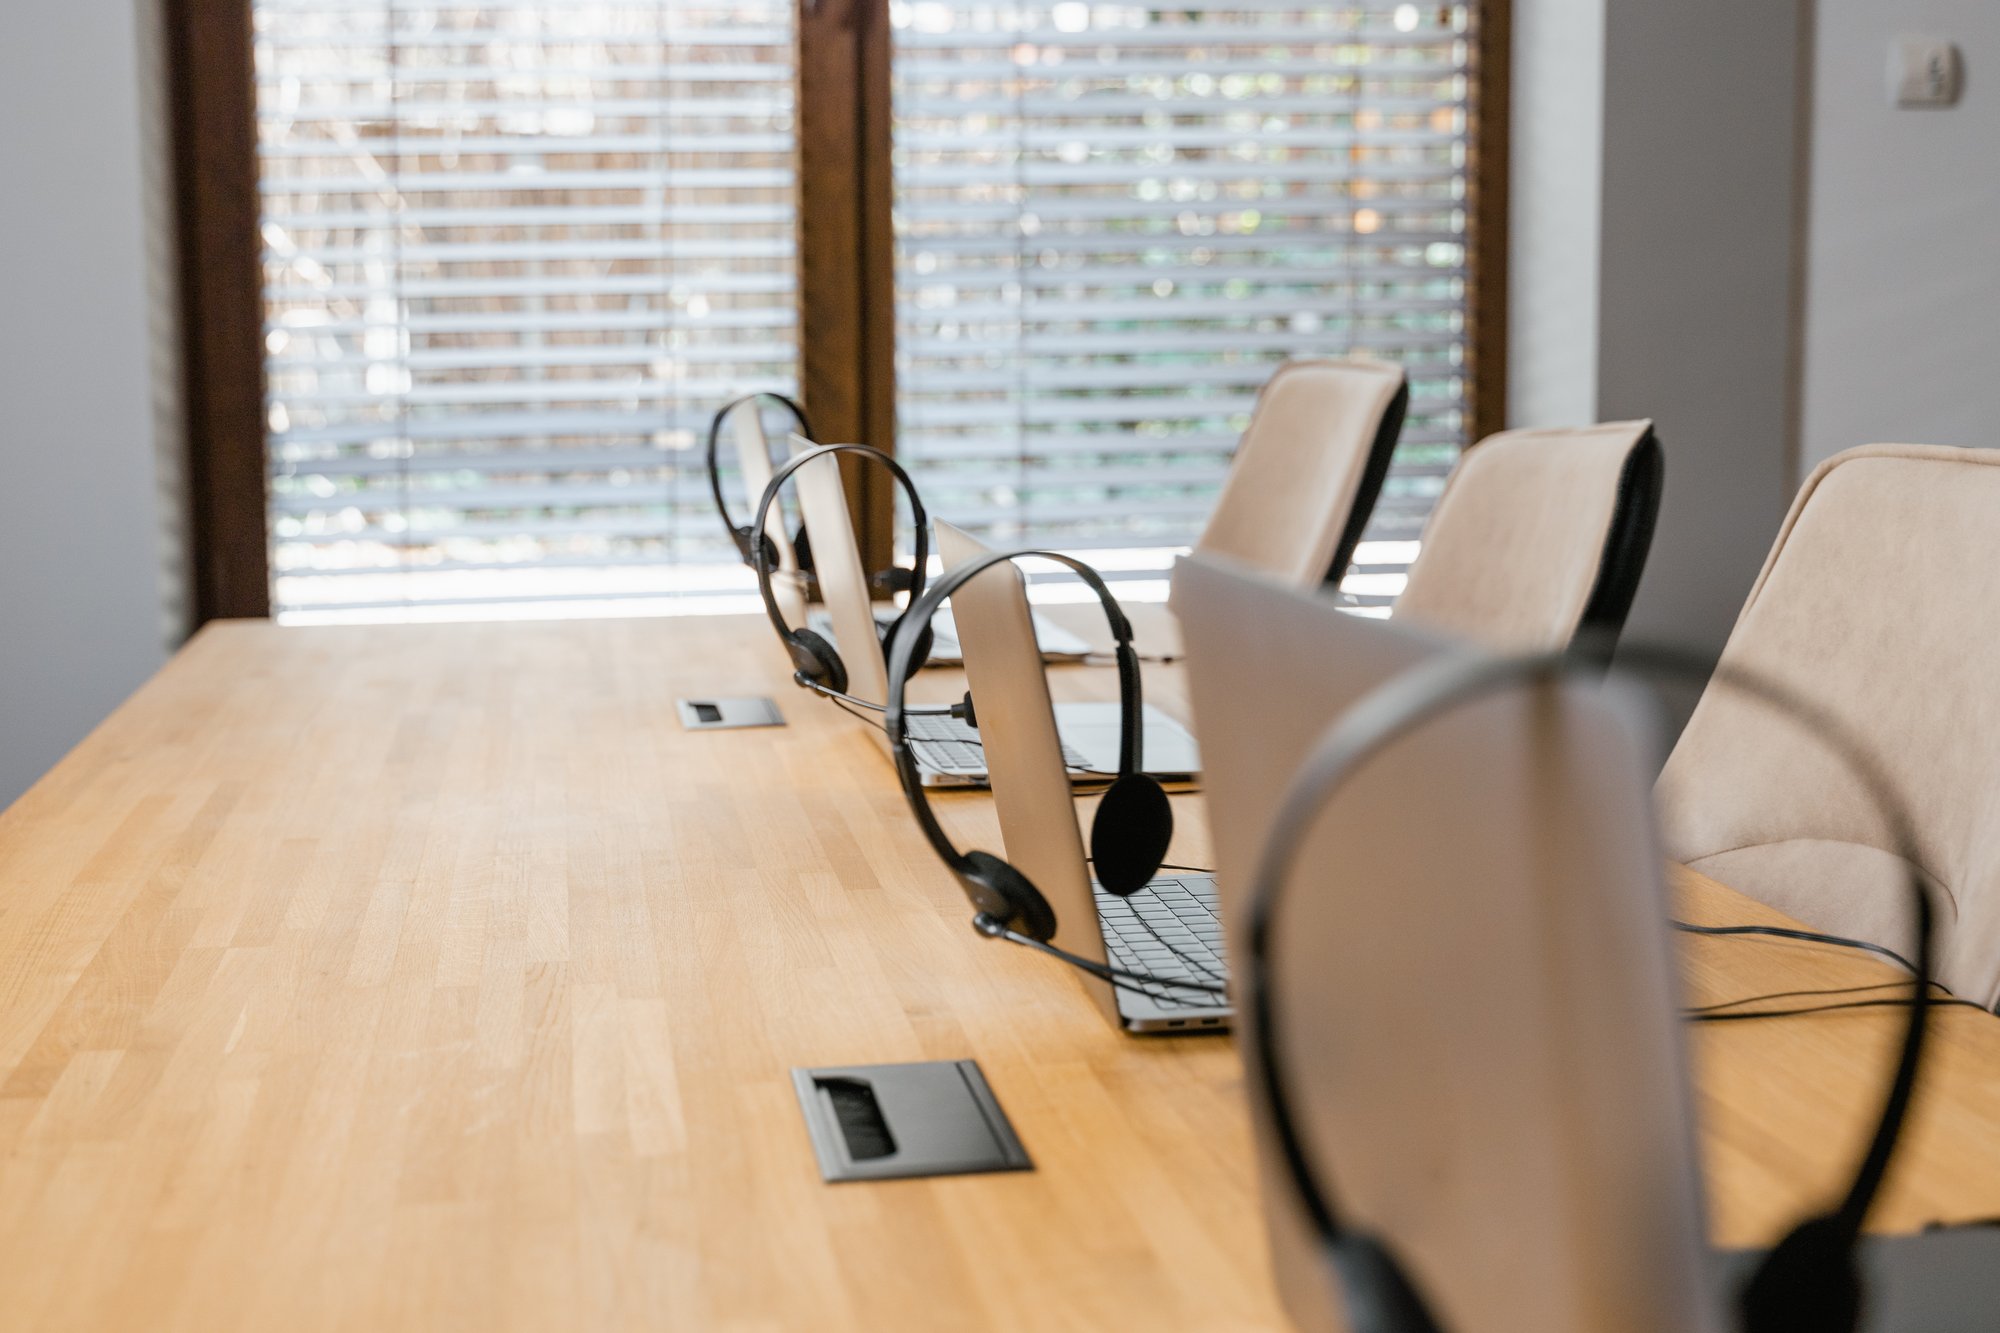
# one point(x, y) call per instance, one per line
point(1308, 469)
point(1539, 534)
point(1880, 603)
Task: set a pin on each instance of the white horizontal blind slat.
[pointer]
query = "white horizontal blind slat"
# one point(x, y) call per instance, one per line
point(1113, 221)
point(515, 253)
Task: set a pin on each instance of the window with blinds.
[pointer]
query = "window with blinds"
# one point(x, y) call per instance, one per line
point(515, 255)
point(1113, 220)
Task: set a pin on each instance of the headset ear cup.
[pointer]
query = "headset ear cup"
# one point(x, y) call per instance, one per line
point(1130, 833)
point(920, 653)
point(815, 659)
point(1808, 1280)
point(1003, 892)
point(1377, 1294)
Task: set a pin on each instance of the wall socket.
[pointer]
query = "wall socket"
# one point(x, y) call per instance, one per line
point(1924, 71)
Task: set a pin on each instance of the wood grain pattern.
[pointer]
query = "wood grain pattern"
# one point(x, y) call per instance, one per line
point(1786, 1104)
point(433, 977)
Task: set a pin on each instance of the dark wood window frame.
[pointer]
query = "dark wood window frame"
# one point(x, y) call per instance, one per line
point(1488, 220)
point(212, 87)
point(847, 283)
point(846, 266)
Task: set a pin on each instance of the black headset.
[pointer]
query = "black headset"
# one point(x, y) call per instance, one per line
point(1129, 834)
point(881, 583)
point(816, 663)
point(743, 536)
point(1810, 1282)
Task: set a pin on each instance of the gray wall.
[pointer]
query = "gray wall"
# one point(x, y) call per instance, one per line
point(80, 523)
point(1696, 285)
point(1557, 151)
point(1903, 293)
point(1653, 253)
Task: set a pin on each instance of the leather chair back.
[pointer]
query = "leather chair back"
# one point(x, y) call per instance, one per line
point(1539, 534)
point(1880, 602)
point(1308, 469)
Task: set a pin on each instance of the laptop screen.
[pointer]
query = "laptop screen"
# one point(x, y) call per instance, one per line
point(1480, 1026)
point(843, 583)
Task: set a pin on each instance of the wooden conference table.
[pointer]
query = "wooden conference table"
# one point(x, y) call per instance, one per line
point(435, 978)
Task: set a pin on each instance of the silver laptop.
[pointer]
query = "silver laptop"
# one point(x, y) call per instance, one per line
point(1482, 1032)
point(949, 749)
point(753, 463)
point(1057, 644)
point(1089, 731)
point(753, 457)
point(1482, 1029)
point(1168, 929)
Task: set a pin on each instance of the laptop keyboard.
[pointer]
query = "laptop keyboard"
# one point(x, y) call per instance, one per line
point(1169, 930)
point(951, 745)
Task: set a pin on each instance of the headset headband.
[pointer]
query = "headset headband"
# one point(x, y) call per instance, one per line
point(909, 630)
point(744, 538)
point(761, 558)
point(1813, 1266)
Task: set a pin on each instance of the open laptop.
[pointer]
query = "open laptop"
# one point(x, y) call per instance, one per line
point(1168, 929)
point(948, 749)
point(1482, 1036)
point(1056, 643)
point(753, 463)
point(1481, 1019)
point(1089, 731)
point(753, 452)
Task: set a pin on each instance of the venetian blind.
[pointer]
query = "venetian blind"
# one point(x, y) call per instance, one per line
point(515, 255)
point(1113, 221)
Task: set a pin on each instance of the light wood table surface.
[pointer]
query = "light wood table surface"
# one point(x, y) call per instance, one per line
point(435, 978)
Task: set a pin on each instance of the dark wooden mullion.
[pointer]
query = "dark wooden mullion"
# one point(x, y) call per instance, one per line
point(212, 85)
point(1487, 255)
point(846, 250)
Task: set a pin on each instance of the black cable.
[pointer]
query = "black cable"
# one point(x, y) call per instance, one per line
point(1116, 976)
point(947, 710)
point(1138, 983)
point(1192, 964)
point(1807, 936)
point(1739, 1016)
point(1821, 1243)
point(1692, 1010)
point(1160, 940)
point(857, 714)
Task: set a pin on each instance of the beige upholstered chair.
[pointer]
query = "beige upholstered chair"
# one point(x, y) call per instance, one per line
point(1881, 603)
point(1308, 469)
point(1299, 491)
point(1539, 534)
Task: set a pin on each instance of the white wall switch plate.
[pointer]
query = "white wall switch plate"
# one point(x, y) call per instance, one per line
point(1924, 71)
